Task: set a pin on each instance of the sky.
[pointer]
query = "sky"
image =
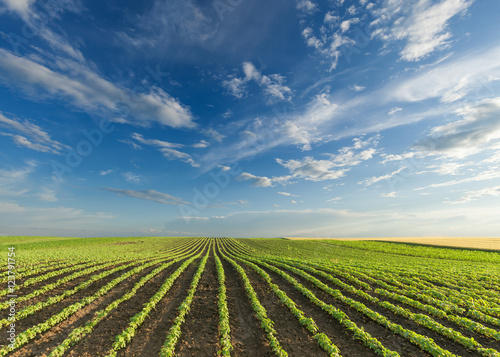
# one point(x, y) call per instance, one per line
point(334, 118)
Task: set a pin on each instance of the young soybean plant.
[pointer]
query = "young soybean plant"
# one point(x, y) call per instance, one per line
point(224, 328)
point(175, 331)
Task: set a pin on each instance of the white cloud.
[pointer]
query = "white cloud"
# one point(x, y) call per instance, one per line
point(149, 195)
point(306, 6)
point(305, 129)
point(214, 134)
point(166, 23)
point(236, 87)
point(374, 179)
point(172, 154)
point(257, 181)
point(51, 13)
point(131, 177)
point(287, 194)
point(394, 110)
point(346, 24)
point(478, 128)
point(389, 195)
point(334, 200)
point(47, 195)
point(422, 24)
point(475, 195)
point(399, 157)
point(105, 172)
point(11, 179)
point(263, 181)
point(167, 149)
point(28, 217)
point(154, 142)
point(451, 80)
point(336, 167)
point(483, 176)
point(327, 117)
point(329, 46)
point(272, 85)
point(21, 7)
point(330, 17)
point(33, 137)
point(131, 143)
point(88, 91)
point(201, 145)
point(227, 114)
point(357, 88)
point(312, 170)
point(188, 218)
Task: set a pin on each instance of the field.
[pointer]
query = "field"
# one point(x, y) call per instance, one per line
point(487, 243)
point(246, 297)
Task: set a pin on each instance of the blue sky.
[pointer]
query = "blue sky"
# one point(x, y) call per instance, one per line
point(250, 118)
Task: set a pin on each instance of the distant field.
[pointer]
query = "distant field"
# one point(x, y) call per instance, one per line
point(205, 297)
point(460, 242)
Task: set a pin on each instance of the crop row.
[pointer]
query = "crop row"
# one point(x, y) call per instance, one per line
point(123, 338)
point(423, 342)
point(40, 278)
point(57, 283)
point(224, 327)
point(29, 310)
point(29, 334)
point(418, 318)
point(174, 333)
point(260, 311)
point(323, 341)
point(78, 333)
point(447, 303)
point(340, 316)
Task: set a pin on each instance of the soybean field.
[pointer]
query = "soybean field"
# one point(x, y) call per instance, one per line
point(156, 296)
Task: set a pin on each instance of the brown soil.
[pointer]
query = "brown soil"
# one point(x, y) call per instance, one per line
point(150, 337)
point(200, 334)
point(247, 337)
point(100, 341)
point(386, 337)
point(293, 337)
point(339, 336)
point(40, 284)
point(44, 342)
point(60, 289)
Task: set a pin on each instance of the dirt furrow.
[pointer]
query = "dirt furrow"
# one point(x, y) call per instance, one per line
point(293, 337)
point(151, 335)
point(200, 335)
point(247, 337)
point(385, 336)
point(343, 339)
point(44, 342)
point(101, 339)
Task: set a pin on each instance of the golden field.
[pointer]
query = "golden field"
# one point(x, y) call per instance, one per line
point(456, 242)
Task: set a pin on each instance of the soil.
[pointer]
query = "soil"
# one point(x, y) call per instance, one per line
point(386, 337)
point(149, 338)
point(200, 332)
point(247, 337)
point(293, 337)
point(43, 343)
